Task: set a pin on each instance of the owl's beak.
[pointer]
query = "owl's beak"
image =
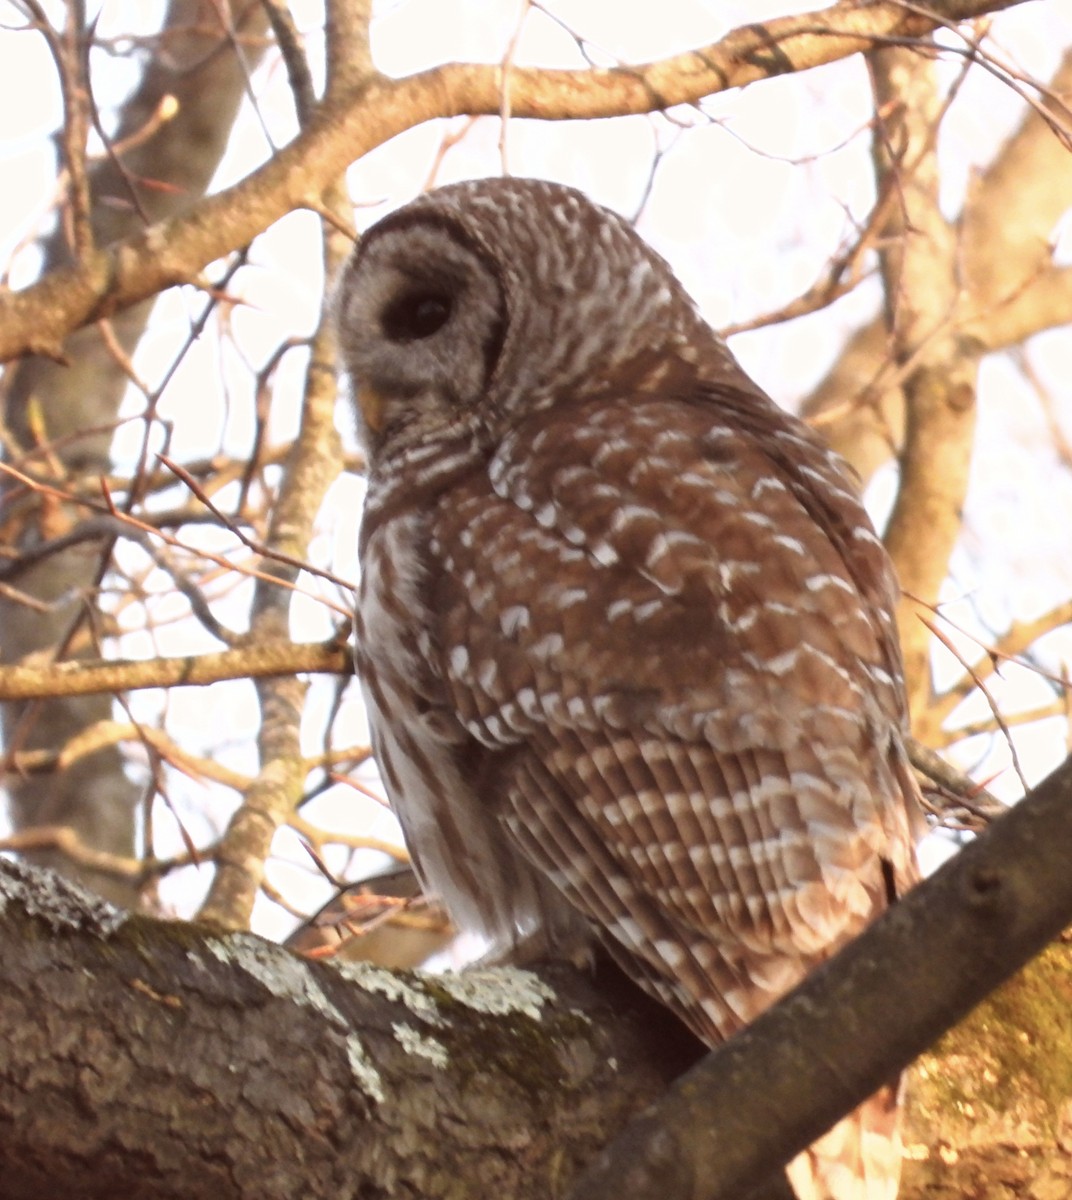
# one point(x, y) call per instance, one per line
point(372, 407)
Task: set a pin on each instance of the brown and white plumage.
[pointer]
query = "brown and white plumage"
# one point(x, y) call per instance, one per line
point(625, 630)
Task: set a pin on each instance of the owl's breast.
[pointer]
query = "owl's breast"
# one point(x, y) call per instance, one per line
point(393, 631)
point(432, 768)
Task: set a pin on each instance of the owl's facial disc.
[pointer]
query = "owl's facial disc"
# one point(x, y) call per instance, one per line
point(417, 312)
point(425, 317)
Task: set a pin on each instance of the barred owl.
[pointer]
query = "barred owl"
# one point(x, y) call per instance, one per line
point(625, 631)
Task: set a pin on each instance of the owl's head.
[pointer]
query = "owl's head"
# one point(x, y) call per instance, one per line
point(485, 301)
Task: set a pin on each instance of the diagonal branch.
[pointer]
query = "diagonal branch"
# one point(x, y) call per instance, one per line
point(353, 120)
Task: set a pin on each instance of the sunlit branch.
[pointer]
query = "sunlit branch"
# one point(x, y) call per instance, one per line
point(362, 110)
point(260, 661)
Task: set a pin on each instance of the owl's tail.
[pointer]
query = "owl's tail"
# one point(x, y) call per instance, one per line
point(859, 1159)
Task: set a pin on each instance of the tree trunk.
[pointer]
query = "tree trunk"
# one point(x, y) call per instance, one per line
point(60, 417)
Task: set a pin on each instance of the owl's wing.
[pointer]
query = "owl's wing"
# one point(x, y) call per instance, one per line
point(674, 640)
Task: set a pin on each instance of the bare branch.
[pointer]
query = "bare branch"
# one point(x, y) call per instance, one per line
point(919, 268)
point(1010, 647)
point(313, 464)
point(363, 111)
point(1009, 286)
point(258, 661)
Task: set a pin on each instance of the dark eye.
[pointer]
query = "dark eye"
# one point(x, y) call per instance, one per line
point(416, 315)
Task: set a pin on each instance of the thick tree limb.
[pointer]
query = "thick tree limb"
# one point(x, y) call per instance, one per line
point(149, 1059)
point(152, 1060)
point(352, 121)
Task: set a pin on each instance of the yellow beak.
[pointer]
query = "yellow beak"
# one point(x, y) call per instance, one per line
point(372, 406)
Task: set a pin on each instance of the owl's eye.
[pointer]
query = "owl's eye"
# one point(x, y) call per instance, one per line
point(416, 315)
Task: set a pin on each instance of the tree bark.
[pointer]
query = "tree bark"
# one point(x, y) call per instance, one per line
point(148, 1059)
point(144, 1058)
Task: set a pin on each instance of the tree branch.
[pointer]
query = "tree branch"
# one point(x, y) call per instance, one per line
point(263, 1074)
point(305, 1078)
point(354, 120)
point(1010, 288)
point(311, 467)
point(84, 678)
point(939, 367)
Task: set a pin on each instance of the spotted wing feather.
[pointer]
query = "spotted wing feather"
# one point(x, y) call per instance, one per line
point(690, 713)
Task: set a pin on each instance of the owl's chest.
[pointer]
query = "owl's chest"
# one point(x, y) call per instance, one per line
point(393, 623)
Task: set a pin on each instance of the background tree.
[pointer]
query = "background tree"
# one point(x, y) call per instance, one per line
point(176, 493)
